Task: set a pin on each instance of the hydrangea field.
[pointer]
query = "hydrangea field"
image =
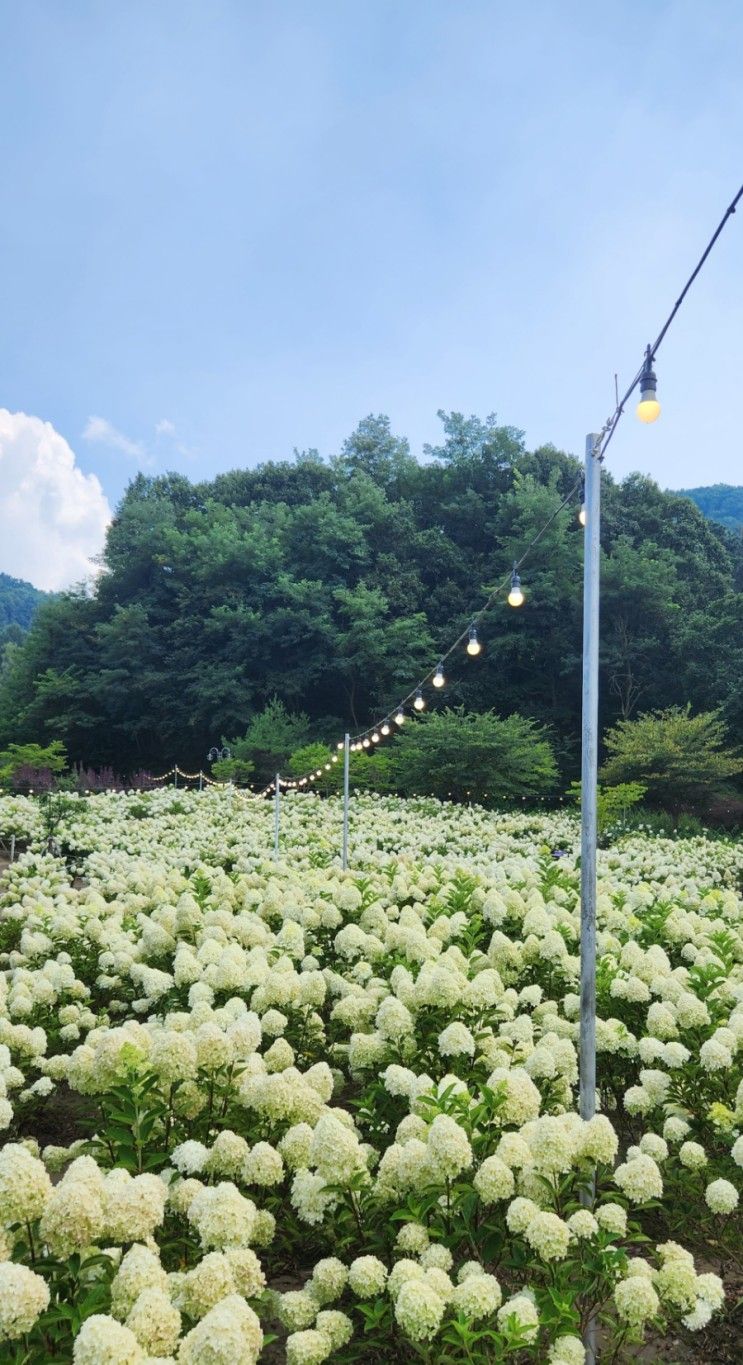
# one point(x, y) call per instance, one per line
point(271, 1110)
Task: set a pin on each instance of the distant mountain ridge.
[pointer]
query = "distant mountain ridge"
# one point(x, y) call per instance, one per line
point(721, 502)
point(18, 601)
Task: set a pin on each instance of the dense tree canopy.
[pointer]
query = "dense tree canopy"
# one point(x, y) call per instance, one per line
point(721, 502)
point(333, 585)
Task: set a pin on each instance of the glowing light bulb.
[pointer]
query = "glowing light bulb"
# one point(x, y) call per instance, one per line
point(327, 767)
point(335, 758)
point(376, 737)
point(648, 408)
point(582, 517)
point(473, 644)
point(438, 677)
point(515, 596)
point(386, 728)
point(365, 741)
point(339, 745)
point(420, 701)
point(400, 717)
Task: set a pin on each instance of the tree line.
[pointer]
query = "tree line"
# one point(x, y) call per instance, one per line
point(333, 584)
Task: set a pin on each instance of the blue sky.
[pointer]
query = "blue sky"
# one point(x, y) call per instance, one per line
point(233, 228)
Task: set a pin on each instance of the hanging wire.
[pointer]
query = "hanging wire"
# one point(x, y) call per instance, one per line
point(610, 425)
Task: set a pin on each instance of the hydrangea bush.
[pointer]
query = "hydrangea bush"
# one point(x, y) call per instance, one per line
point(327, 1115)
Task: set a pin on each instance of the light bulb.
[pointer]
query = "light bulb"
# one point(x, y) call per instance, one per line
point(376, 737)
point(648, 408)
point(327, 767)
point(582, 517)
point(365, 741)
point(400, 717)
point(473, 644)
point(420, 701)
point(438, 677)
point(339, 745)
point(386, 728)
point(515, 596)
point(335, 758)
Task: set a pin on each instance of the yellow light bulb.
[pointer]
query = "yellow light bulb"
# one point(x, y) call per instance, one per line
point(419, 702)
point(648, 409)
point(385, 728)
point(438, 677)
point(582, 517)
point(473, 644)
point(365, 742)
point(516, 596)
point(400, 718)
point(376, 737)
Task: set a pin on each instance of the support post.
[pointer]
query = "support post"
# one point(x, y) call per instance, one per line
point(201, 780)
point(588, 811)
point(12, 848)
point(175, 775)
point(346, 764)
point(276, 816)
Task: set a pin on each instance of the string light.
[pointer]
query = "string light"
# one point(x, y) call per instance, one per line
point(420, 701)
point(516, 595)
point(400, 717)
point(438, 677)
point(648, 408)
point(473, 644)
point(376, 737)
point(365, 741)
point(386, 728)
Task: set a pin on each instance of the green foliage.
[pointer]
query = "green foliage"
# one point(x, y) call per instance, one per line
point(682, 759)
point(270, 738)
point(481, 757)
point(309, 758)
point(18, 602)
point(51, 757)
point(331, 585)
point(237, 770)
point(612, 803)
point(722, 502)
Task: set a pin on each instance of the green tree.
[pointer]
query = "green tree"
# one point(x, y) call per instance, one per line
point(683, 760)
point(485, 757)
point(33, 758)
point(271, 737)
point(310, 758)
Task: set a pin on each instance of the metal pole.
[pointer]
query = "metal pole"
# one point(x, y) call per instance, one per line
point(346, 762)
point(175, 778)
point(588, 809)
point(201, 780)
point(12, 848)
point(276, 816)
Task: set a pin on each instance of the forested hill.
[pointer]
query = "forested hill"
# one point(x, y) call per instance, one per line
point(721, 502)
point(334, 584)
point(18, 601)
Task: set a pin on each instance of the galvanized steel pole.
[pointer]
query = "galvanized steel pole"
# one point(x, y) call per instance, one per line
point(276, 816)
point(589, 777)
point(346, 760)
point(588, 812)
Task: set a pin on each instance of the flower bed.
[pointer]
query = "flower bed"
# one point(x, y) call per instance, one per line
point(359, 1085)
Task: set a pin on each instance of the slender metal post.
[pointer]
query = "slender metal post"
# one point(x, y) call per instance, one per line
point(175, 778)
point(346, 764)
point(588, 810)
point(12, 848)
point(276, 816)
point(201, 780)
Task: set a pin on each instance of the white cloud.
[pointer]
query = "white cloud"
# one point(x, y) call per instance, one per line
point(103, 432)
point(165, 427)
point(53, 517)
